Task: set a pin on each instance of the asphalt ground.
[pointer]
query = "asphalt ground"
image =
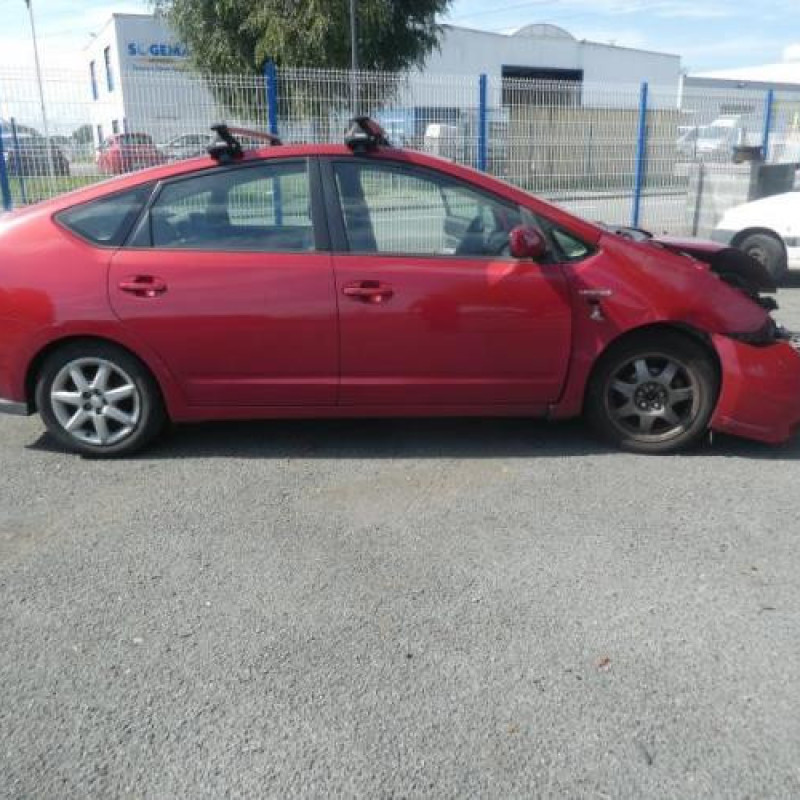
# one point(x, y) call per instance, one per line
point(463, 608)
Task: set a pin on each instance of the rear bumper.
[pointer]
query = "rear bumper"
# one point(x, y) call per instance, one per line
point(16, 409)
point(760, 394)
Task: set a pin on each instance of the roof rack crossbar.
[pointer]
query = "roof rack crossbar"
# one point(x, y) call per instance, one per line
point(364, 134)
point(228, 148)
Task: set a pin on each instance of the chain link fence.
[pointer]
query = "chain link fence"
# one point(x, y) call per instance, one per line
point(667, 159)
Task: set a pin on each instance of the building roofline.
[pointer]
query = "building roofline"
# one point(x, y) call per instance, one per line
point(555, 39)
point(112, 18)
point(743, 83)
point(133, 14)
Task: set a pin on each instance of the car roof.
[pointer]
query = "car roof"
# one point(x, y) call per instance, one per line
point(582, 228)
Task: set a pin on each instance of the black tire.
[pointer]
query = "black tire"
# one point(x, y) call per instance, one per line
point(129, 391)
point(767, 250)
point(623, 397)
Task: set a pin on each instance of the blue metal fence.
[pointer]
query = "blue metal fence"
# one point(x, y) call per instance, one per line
point(624, 153)
point(641, 157)
point(5, 188)
point(483, 123)
point(271, 85)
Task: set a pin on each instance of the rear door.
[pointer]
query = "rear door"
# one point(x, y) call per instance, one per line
point(433, 310)
point(229, 280)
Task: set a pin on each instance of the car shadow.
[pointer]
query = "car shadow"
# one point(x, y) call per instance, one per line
point(408, 438)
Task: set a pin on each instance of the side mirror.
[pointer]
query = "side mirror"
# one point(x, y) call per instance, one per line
point(526, 242)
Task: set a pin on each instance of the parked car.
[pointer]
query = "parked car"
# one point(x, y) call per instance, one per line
point(731, 137)
point(27, 156)
point(363, 280)
point(187, 145)
point(125, 152)
point(766, 229)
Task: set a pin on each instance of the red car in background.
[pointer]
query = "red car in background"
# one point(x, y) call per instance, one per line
point(126, 152)
point(363, 280)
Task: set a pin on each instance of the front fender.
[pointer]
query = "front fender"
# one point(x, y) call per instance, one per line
point(760, 392)
point(640, 286)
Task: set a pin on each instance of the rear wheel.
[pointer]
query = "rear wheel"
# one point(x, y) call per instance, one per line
point(767, 250)
point(97, 399)
point(653, 393)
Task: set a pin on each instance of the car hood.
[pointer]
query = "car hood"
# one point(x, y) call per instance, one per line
point(732, 265)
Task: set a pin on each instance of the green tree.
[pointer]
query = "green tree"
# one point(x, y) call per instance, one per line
point(239, 36)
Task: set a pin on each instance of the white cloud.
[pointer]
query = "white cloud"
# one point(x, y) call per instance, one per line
point(668, 9)
point(792, 52)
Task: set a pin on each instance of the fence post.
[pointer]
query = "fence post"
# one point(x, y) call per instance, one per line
point(20, 175)
point(271, 82)
point(5, 189)
point(271, 86)
point(641, 157)
point(483, 126)
point(769, 102)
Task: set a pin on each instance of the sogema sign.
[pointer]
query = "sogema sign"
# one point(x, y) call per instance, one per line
point(157, 50)
point(156, 55)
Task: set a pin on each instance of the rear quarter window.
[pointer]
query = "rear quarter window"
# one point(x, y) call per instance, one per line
point(106, 222)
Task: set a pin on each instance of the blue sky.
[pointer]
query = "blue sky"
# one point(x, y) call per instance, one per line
point(708, 34)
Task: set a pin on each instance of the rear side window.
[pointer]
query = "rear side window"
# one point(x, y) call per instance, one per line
point(107, 221)
point(264, 208)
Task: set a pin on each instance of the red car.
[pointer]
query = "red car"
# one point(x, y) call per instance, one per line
point(126, 152)
point(361, 280)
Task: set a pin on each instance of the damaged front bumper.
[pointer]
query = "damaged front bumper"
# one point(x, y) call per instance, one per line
point(760, 393)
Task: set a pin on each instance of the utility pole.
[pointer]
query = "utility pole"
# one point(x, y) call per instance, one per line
point(353, 58)
point(50, 164)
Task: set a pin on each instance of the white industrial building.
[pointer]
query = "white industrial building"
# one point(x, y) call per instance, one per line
point(782, 76)
point(127, 61)
point(548, 52)
point(131, 66)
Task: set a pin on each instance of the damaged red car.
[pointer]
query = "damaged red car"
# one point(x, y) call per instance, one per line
point(363, 280)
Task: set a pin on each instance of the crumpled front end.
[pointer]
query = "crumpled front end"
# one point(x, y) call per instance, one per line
point(760, 393)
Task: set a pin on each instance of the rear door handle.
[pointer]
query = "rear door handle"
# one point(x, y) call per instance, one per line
point(143, 285)
point(368, 291)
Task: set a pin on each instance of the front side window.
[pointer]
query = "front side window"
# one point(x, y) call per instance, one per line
point(563, 246)
point(261, 209)
point(107, 221)
point(395, 209)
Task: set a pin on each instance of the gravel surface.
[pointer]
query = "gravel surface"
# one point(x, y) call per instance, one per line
point(399, 609)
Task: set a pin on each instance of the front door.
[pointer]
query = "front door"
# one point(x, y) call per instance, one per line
point(433, 310)
point(227, 282)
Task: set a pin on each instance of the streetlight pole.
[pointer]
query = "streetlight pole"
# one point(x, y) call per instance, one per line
point(353, 58)
point(51, 166)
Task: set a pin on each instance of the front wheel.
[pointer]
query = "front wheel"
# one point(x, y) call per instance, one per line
point(654, 393)
point(97, 399)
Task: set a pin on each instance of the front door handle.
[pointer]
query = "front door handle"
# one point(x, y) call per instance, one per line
point(373, 292)
point(143, 285)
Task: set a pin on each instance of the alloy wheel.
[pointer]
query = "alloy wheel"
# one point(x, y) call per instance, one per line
point(95, 401)
point(652, 397)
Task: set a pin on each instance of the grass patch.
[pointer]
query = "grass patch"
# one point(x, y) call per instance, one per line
point(27, 190)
